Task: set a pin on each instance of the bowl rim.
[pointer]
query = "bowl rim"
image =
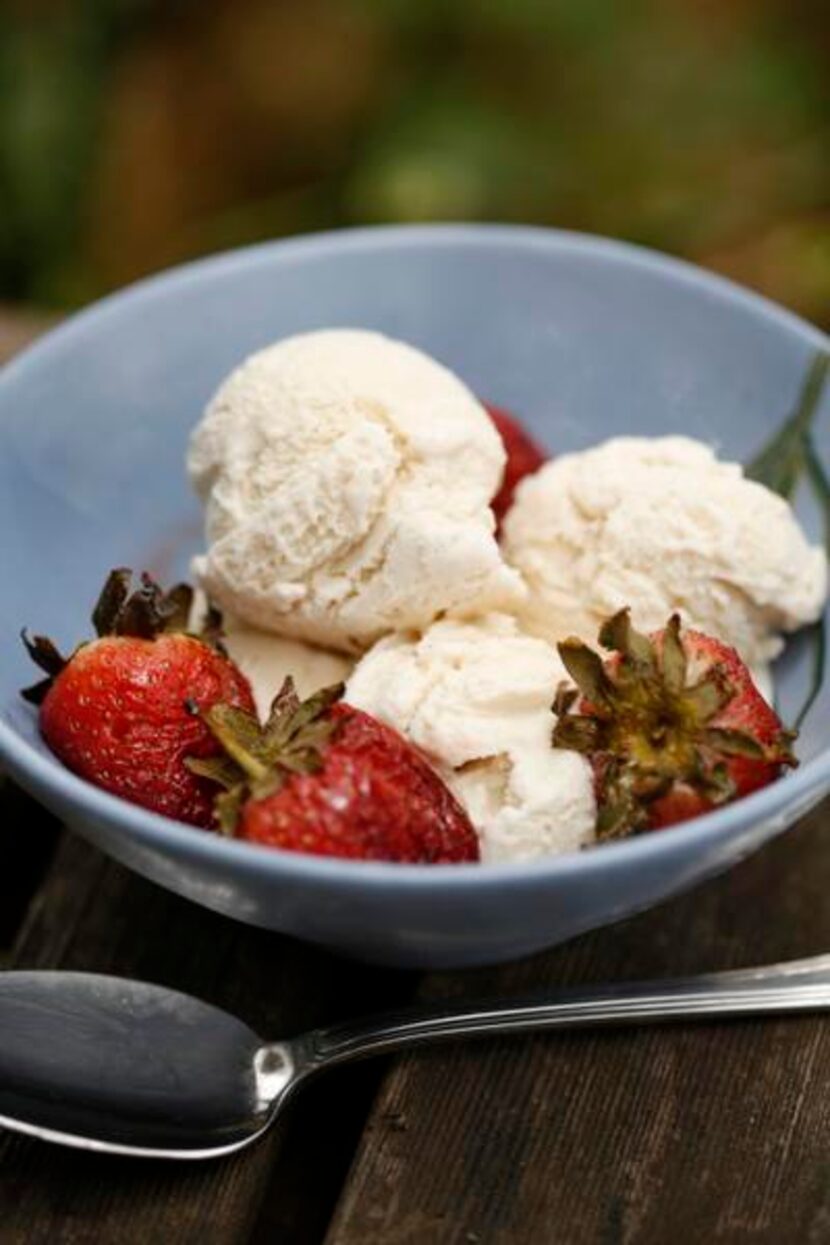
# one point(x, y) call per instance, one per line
point(43, 773)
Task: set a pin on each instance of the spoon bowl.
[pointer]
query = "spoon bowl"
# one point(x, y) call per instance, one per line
point(131, 1068)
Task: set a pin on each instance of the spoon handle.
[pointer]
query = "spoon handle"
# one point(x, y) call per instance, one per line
point(798, 986)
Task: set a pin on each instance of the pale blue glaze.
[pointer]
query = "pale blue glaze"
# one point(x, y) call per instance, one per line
point(583, 338)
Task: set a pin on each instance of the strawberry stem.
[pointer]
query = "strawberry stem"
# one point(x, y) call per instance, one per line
point(645, 728)
point(258, 759)
point(143, 614)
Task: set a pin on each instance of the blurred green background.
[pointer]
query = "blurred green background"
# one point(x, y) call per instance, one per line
point(137, 133)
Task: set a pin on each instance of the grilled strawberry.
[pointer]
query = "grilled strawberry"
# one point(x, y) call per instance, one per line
point(115, 711)
point(523, 457)
point(673, 725)
point(326, 778)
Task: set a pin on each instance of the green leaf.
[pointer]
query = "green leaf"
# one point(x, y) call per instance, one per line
point(240, 735)
point(716, 784)
point(314, 707)
point(818, 638)
point(259, 759)
point(820, 483)
point(674, 656)
point(575, 733)
point(618, 635)
point(587, 671)
point(788, 455)
point(733, 743)
point(228, 807)
point(615, 821)
point(221, 770)
point(781, 462)
point(818, 632)
point(711, 694)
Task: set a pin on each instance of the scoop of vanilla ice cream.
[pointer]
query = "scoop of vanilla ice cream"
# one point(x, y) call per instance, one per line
point(475, 697)
point(266, 659)
point(661, 525)
point(347, 480)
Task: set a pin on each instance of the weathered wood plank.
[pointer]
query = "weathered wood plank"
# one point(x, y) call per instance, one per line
point(700, 1134)
point(93, 915)
point(28, 836)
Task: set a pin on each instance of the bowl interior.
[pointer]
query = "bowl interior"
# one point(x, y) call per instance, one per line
point(583, 339)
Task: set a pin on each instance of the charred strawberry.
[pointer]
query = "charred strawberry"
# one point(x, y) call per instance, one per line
point(672, 724)
point(115, 711)
point(523, 457)
point(325, 778)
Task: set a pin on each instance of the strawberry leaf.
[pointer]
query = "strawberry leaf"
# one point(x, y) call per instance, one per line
point(221, 770)
point(716, 784)
point(780, 465)
point(734, 743)
point(674, 656)
point(617, 634)
point(113, 596)
point(708, 696)
point(241, 737)
point(227, 808)
point(178, 602)
point(564, 699)
point(285, 702)
point(45, 655)
point(578, 733)
point(313, 709)
point(587, 670)
point(35, 694)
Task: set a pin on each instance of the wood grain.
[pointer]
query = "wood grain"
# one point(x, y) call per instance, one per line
point(94, 915)
point(28, 837)
point(708, 1133)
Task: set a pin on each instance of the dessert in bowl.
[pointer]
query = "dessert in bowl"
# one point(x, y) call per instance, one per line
point(446, 636)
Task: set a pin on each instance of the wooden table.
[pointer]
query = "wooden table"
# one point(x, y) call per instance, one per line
point(700, 1133)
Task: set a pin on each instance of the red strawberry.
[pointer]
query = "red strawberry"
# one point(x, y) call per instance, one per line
point(116, 711)
point(327, 778)
point(673, 725)
point(524, 457)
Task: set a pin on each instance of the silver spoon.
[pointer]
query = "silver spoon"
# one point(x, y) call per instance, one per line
point(125, 1067)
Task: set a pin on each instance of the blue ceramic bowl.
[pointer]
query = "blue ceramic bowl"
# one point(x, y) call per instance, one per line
point(583, 338)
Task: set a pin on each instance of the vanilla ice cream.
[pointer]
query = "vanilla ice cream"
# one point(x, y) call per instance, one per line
point(476, 698)
point(267, 659)
point(661, 525)
point(347, 480)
